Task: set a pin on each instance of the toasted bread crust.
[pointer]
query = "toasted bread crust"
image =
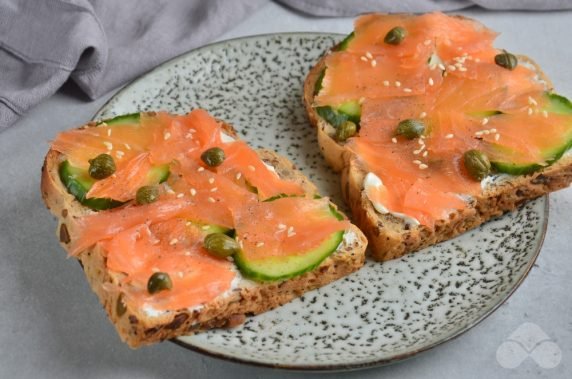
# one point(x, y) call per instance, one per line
point(389, 237)
point(138, 328)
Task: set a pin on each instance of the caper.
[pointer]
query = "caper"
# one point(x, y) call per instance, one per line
point(346, 130)
point(213, 157)
point(477, 164)
point(101, 166)
point(506, 60)
point(410, 128)
point(147, 195)
point(395, 36)
point(220, 245)
point(159, 281)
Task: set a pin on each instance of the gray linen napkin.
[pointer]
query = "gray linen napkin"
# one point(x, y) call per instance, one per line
point(99, 44)
point(339, 8)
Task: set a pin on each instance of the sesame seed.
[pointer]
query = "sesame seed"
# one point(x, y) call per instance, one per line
point(386, 83)
point(173, 241)
point(188, 223)
point(251, 167)
point(211, 200)
point(368, 54)
point(486, 132)
point(187, 253)
point(291, 233)
point(373, 63)
point(166, 136)
point(109, 132)
point(238, 176)
point(180, 273)
point(451, 68)
point(155, 269)
point(416, 152)
point(420, 141)
point(189, 136)
point(449, 136)
point(422, 115)
point(462, 69)
point(394, 140)
point(485, 121)
point(211, 180)
point(477, 60)
point(427, 42)
point(441, 66)
point(430, 81)
point(260, 244)
point(363, 58)
point(179, 195)
point(205, 227)
point(530, 111)
point(241, 244)
point(423, 166)
point(119, 154)
point(109, 145)
point(127, 146)
point(214, 189)
point(479, 133)
point(170, 191)
point(545, 114)
point(497, 137)
point(408, 90)
point(281, 226)
point(397, 83)
point(200, 169)
point(193, 191)
point(458, 64)
point(425, 154)
point(532, 101)
point(416, 161)
point(445, 74)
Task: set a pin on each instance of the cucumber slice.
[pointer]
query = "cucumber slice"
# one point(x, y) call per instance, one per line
point(556, 104)
point(318, 85)
point(211, 228)
point(345, 42)
point(158, 174)
point(278, 268)
point(348, 111)
point(78, 182)
point(132, 118)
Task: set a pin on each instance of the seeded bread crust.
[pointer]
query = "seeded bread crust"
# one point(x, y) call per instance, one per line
point(135, 326)
point(390, 237)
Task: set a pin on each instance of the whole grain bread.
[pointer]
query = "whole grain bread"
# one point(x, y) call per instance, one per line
point(389, 236)
point(135, 326)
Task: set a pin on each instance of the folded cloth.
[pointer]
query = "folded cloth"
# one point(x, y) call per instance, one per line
point(339, 8)
point(99, 44)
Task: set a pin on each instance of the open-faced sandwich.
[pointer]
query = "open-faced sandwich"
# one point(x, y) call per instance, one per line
point(434, 129)
point(181, 227)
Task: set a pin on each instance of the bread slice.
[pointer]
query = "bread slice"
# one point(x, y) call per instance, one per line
point(389, 236)
point(136, 326)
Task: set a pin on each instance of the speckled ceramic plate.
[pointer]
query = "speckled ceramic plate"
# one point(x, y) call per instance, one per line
point(384, 312)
